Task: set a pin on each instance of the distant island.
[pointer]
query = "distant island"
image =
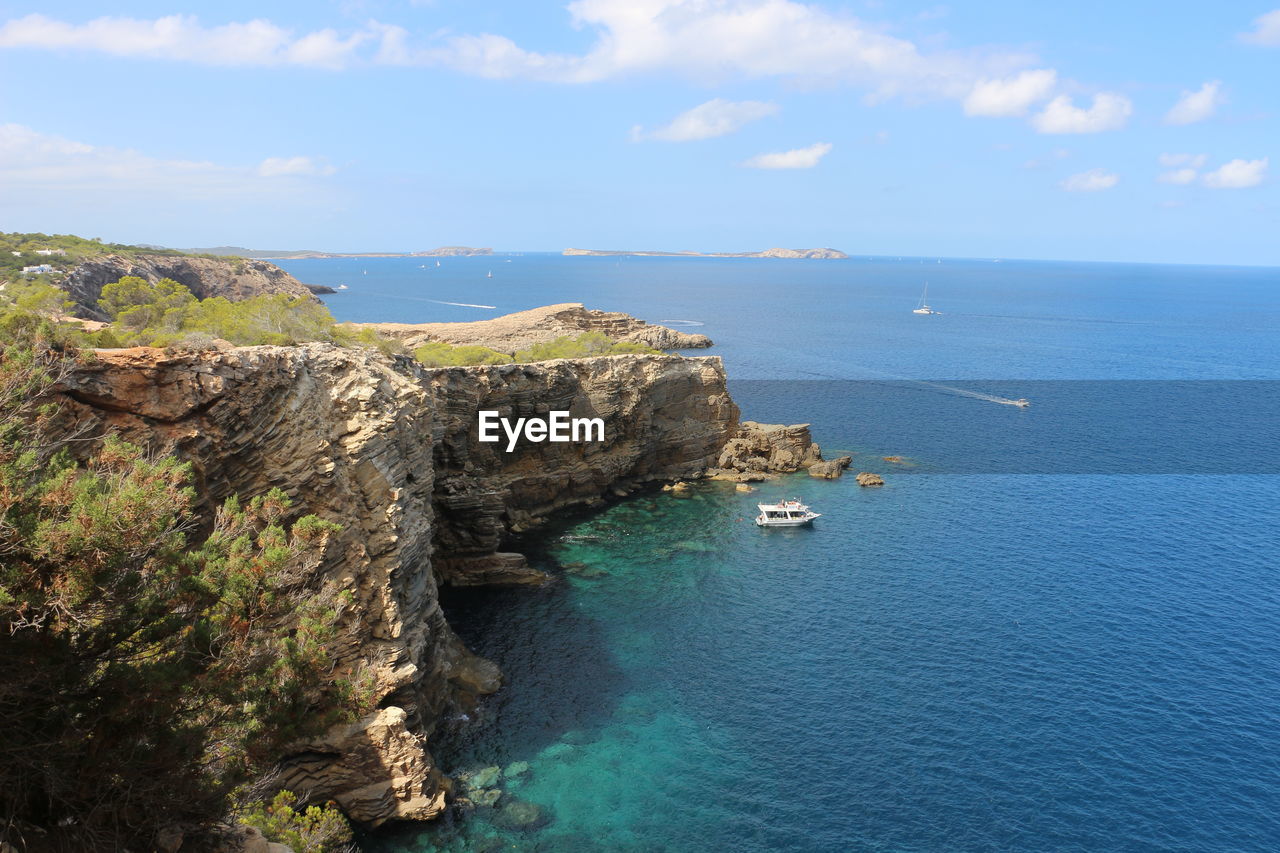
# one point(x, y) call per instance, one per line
point(767, 253)
point(274, 254)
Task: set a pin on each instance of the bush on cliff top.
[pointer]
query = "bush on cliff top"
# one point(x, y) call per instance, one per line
point(145, 670)
point(584, 345)
point(440, 354)
point(166, 313)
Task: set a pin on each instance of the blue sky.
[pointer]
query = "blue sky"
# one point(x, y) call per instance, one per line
point(1095, 131)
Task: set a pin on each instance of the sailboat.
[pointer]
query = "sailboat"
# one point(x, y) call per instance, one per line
point(490, 274)
point(923, 307)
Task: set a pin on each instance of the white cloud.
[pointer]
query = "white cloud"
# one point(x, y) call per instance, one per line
point(1091, 181)
point(1195, 161)
point(798, 158)
point(716, 117)
point(182, 37)
point(276, 166)
point(719, 39)
point(52, 164)
point(1266, 30)
point(1237, 174)
point(1178, 176)
point(1011, 96)
point(1109, 111)
point(1196, 106)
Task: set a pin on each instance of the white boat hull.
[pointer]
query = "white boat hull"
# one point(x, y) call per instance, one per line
point(787, 522)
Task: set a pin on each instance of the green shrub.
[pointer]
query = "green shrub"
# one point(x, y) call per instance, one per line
point(146, 668)
point(315, 829)
point(368, 338)
point(441, 354)
point(583, 346)
point(137, 305)
point(166, 314)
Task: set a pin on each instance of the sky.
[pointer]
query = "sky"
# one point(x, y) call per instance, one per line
point(1136, 131)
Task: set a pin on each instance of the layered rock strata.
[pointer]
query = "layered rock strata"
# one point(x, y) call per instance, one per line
point(521, 330)
point(759, 451)
point(390, 451)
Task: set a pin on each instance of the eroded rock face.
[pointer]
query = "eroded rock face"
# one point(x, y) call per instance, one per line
point(389, 450)
point(758, 451)
point(232, 278)
point(830, 469)
point(521, 330)
point(664, 419)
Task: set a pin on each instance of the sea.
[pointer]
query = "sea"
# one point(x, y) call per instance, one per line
point(1054, 628)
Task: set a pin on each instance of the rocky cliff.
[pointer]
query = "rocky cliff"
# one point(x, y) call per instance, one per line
point(232, 278)
point(521, 330)
point(390, 451)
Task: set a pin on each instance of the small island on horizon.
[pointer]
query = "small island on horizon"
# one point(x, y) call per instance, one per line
point(298, 254)
point(822, 254)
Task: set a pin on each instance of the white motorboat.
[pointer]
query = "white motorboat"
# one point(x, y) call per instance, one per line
point(790, 513)
point(923, 307)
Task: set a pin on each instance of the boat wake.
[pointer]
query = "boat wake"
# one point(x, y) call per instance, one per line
point(1021, 403)
point(682, 322)
point(461, 304)
point(976, 395)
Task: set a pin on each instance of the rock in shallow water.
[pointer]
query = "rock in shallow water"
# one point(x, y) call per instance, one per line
point(521, 814)
point(488, 798)
point(866, 478)
point(485, 777)
point(517, 770)
point(831, 469)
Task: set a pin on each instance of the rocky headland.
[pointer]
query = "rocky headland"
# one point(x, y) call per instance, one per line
point(790, 254)
point(389, 450)
point(230, 278)
point(523, 329)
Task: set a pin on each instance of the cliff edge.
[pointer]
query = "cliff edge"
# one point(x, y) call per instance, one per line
point(523, 329)
point(231, 278)
point(389, 450)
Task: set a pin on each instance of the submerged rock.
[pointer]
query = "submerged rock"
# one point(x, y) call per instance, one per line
point(499, 569)
point(831, 469)
point(582, 570)
point(743, 487)
point(866, 478)
point(517, 770)
point(579, 737)
point(487, 798)
point(559, 751)
point(485, 777)
point(521, 814)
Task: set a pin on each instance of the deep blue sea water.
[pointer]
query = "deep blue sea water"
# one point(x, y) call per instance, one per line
point(1043, 634)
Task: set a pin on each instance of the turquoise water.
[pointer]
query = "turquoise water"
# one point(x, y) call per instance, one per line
point(1011, 646)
